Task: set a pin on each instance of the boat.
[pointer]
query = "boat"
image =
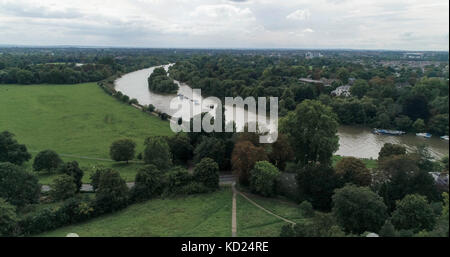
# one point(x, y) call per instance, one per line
point(388, 132)
point(425, 135)
point(444, 137)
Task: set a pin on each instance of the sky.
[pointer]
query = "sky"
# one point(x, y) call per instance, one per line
point(318, 24)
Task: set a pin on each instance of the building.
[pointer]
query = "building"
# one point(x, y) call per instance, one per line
point(310, 55)
point(413, 55)
point(341, 91)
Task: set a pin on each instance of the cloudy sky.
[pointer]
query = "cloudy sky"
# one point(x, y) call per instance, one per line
point(357, 24)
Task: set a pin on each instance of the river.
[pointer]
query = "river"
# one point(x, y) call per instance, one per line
point(353, 141)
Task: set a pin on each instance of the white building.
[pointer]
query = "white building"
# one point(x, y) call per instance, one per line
point(341, 91)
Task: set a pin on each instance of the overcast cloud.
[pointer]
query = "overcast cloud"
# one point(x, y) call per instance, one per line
point(368, 24)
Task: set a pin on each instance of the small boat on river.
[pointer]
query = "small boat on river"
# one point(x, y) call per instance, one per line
point(425, 135)
point(444, 137)
point(388, 132)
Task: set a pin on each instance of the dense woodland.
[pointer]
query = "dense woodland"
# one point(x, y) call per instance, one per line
point(405, 98)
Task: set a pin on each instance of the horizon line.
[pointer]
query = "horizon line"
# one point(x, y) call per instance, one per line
point(215, 48)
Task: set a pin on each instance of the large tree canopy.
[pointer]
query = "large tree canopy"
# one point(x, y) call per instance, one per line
point(312, 129)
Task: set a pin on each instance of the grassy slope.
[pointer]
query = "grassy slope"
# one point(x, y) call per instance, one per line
point(196, 215)
point(74, 119)
point(252, 221)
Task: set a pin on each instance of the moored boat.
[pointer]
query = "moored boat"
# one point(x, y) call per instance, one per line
point(444, 137)
point(388, 132)
point(425, 135)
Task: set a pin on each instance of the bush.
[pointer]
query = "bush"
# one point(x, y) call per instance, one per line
point(306, 209)
point(193, 188)
point(18, 186)
point(151, 108)
point(8, 218)
point(263, 178)
point(73, 210)
point(414, 213)
point(11, 151)
point(389, 149)
point(39, 221)
point(47, 160)
point(95, 178)
point(177, 178)
point(72, 169)
point(112, 192)
point(122, 150)
point(63, 187)
point(207, 173)
point(149, 182)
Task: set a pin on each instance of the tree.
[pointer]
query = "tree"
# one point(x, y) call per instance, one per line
point(160, 82)
point(413, 212)
point(112, 192)
point(149, 182)
point(419, 125)
point(312, 129)
point(11, 151)
point(8, 218)
point(358, 209)
point(180, 147)
point(343, 75)
point(359, 88)
point(316, 184)
point(438, 124)
point(403, 122)
point(388, 230)
point(72, 169)
point(207, 172)
point(244, 157)
point(263, 178)
point(211, 147)
point(18, 186)
point(389, 149)
point(353, 170)
point(122, 150)
point(47, 160)
point(400, 175)
point(281, 152)
point(157, 152)
point(62, 188)
point(306, 209)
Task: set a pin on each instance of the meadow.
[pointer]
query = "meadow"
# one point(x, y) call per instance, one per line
point(75, 120)
point(194, 215)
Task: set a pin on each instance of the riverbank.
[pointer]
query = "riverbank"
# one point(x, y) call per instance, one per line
point(354, 141)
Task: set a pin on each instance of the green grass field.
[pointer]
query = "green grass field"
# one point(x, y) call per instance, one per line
point(195, 215)
point(78, 120)
point(254, 222)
